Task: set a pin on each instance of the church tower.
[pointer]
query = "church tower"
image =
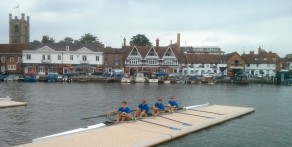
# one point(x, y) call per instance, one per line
point(18, 29)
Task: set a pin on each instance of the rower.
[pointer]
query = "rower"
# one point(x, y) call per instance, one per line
point(124, 112)
point(172, 104)
point(158, 108)
point(142, 109)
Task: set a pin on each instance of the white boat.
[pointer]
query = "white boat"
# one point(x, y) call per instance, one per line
point(167, 82)
point(126, 79)
point(153, 80)
point(140, 78)
point(100, 125)
point(7, 98)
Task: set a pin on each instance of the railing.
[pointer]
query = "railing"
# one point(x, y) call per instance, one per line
point(46, 61)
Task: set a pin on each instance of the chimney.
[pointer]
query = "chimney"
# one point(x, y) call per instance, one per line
point(170, 42)
point(124, 42)
point(157, 43)
point(178, 42)
point(10, 16)
point(22, 16)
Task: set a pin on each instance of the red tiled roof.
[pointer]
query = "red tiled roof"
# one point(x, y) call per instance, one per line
point(250, 58)
point(12, 48)
point(206, 58)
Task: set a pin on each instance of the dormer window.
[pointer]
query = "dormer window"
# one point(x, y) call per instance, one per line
point(265, 59)
point(67, 48)
point(274, 59)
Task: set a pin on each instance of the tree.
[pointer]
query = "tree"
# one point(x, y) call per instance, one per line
point(67, 40)
point(88, 38)
point(140, 40)
point(47, 39)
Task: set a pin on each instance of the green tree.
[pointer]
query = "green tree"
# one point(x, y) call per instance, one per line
point(140, 40)
point(88, 38)
point(47, 39)
point(67, 40)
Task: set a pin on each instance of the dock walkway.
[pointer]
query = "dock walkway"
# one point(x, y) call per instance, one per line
point(139, 133)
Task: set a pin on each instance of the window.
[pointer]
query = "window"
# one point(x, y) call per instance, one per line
point(11, 67)
point(256, 59)
point(152, 62)
point(257, 65)
point(59, 57)
point(152, 53)
point(49, 57)
point(71, 57)
point(274, 59)
point(28, 57)
point(44, 57)
point(2, 59)
point(134, 52)
point(67, 48)
point(134, 61)
point(117, 62)
point(265, 59)
point(84, 58)
point(97, 58)
point(11, 60)
point(16, 28)
point(168, 53)
point(248, 65)
point(268, 65)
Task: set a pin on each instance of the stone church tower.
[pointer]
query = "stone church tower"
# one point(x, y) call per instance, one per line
point(18, 29)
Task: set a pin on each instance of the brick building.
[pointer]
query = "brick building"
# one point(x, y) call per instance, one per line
point(113, 58)
point(11, 58)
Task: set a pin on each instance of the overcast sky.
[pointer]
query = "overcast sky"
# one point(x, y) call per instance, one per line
point(232, 25)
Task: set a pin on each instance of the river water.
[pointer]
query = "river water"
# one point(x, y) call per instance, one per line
point(57, 107)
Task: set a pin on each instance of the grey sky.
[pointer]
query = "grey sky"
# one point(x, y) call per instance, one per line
point(231, 24)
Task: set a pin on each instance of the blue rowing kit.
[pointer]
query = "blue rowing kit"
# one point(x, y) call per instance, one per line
point(144, 107)
point(173, 103)
point(159, 106)
point(127, 109)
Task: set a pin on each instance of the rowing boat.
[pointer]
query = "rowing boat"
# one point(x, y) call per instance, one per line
point(111, 121)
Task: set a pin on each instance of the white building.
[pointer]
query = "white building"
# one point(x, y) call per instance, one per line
point(261, 64)
point(62, 58)
point(200, 64)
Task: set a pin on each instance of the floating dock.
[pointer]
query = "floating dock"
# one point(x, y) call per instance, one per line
point(8, 103)
point(142, 133)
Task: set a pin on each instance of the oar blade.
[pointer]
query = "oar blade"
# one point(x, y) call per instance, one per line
point(186, 124)
point(174, 128)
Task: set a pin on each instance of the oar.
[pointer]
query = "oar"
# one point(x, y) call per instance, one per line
point(186, 124)
point(170, 127)
point(103, 115)
point(195, 115)
point(207, 112)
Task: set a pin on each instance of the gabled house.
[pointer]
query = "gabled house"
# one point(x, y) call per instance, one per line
point(61, 58)
point(11, 58)
point(150, 59)
point(235, 63)
point(284, 63)
point(264, 63)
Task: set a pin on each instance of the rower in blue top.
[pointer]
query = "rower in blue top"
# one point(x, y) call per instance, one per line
point(172, 104)
point(142, 109)
point(124, 112)
point(158, 108)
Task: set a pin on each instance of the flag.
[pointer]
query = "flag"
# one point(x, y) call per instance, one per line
point(16, 7)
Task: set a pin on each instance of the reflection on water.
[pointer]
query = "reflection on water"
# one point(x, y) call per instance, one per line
point(57, 107)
